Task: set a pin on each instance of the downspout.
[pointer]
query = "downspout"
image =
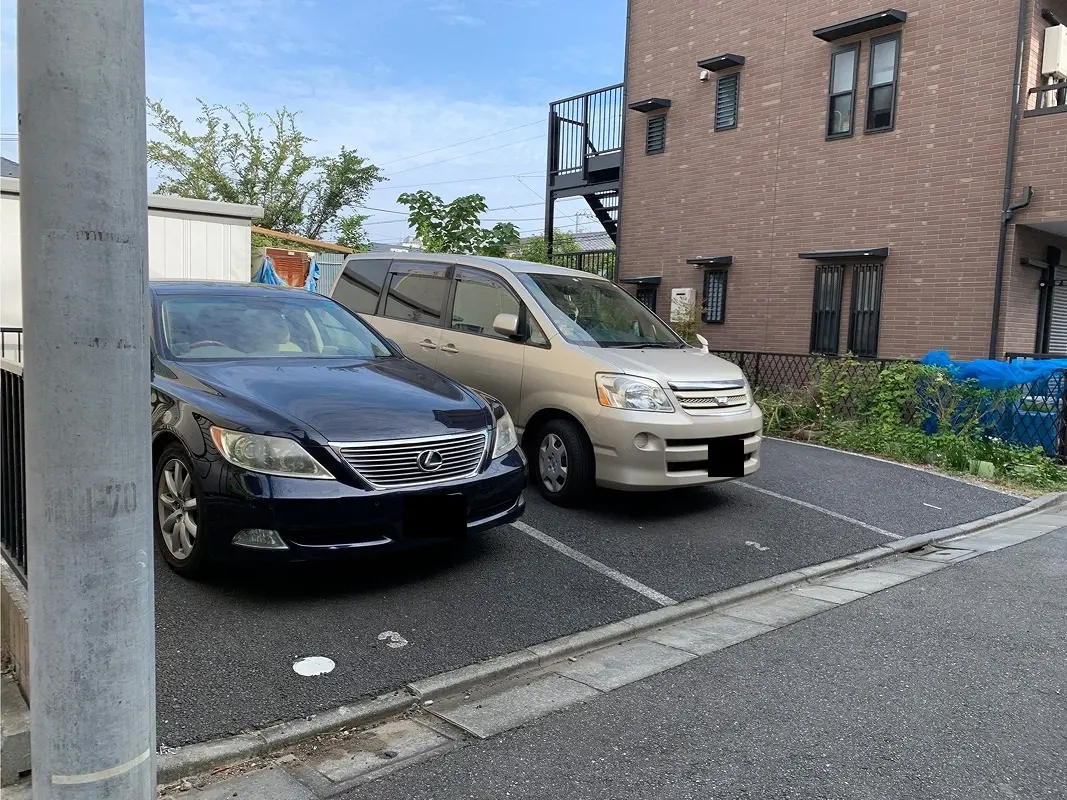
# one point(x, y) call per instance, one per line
point(1009, 176)
point(622, 138)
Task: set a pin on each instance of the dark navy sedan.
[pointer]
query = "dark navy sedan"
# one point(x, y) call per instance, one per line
point(284, 426)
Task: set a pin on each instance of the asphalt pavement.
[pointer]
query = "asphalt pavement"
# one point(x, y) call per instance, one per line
point(225, 649)
point(952, 686)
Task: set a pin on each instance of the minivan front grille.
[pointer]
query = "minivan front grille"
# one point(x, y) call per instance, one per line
point(416, 462)
point(716, 400)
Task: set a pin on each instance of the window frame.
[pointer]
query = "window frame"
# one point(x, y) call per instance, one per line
point(855, 47)
point(705, 314)
point(654, 289)
point(648, 134)
point(736, 77)
point(407, 266)
point(344, 275)
point(834, 314)
point(525, 318)
point(894, 37)
point(874, 316)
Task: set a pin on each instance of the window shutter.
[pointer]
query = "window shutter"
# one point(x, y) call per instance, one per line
point(726, 101)
point(656, 134)
point(715, 295)
point(826, 308)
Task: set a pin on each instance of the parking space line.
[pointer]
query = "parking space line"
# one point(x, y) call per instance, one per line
point(596, 566)
point(821, 510)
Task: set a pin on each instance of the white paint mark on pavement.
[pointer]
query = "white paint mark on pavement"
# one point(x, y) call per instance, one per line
point(392, 639)
point(596, 566)
point(930, 506)
point(756, 545)
point(313, 665)
point(821, 510)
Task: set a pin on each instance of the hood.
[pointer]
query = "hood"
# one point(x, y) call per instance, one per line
point(348, 401)
point(668, 366)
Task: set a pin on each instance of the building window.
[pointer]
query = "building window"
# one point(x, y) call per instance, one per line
point(715, 296)
point(647, 296)
point(727, 100)
point(882, 83)
point(842, 107)
point(656, 134)
point(826, 308)
point(866, 310)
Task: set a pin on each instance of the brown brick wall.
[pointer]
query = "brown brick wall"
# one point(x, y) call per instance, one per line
point(930, 189)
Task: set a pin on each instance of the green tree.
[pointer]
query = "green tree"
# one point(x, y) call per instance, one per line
point(456, 227)
point(241, 156)
point(535, 249)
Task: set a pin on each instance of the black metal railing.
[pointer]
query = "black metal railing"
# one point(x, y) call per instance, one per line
point(1048, 96)
point(598, 262)
point(11, 344)
point(12, 468)
point(1033, 415)
point(584, 126)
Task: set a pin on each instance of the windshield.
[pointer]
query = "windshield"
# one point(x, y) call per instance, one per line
point(253, 326)
point(596, 313)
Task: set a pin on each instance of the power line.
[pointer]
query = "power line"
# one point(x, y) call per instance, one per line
point(457, 180)
point(465, 141)
point(467, 155)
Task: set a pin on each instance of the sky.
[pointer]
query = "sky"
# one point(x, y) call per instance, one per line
point(392, 79)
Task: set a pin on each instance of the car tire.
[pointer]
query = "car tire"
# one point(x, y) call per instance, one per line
point(177, 521)
point(562, 463)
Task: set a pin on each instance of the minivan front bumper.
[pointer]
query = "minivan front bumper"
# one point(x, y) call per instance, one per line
point(648, 451)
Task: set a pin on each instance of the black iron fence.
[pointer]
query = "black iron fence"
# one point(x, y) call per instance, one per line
point(1031, 415)
point(12, 468)
point(598, 262)
point(11, 344)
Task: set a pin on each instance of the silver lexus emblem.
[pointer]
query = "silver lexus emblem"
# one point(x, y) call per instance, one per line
point(430, 461)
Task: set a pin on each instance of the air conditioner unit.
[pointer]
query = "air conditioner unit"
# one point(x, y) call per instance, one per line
point(1054, 58)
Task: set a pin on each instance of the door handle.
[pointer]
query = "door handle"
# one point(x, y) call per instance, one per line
point(449, 348)
point(426, 344)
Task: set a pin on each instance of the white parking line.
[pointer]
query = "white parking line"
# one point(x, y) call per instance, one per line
point(821, 510)
point(596, 566)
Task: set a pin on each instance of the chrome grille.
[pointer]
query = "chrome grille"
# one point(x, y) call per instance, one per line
point(395, 464)
point(728, 400)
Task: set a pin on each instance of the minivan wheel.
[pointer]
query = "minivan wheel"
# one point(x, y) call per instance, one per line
point(179, 525)
point(564, 462)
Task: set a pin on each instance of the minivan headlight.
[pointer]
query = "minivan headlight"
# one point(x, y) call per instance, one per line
point(505, 439)
point(271, 455)
point(631, 393)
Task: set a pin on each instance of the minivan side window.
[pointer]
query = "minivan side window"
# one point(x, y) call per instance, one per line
point(479, 298)
point(417, 292)
point(360, 284)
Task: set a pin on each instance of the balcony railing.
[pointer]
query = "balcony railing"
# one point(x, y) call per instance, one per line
point(1050, 97)
point(585, 133)
point(12, 468)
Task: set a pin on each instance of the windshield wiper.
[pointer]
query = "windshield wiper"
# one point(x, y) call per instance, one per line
point(640, 345)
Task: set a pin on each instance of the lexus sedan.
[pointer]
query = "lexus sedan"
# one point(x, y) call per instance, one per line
point(285, 427)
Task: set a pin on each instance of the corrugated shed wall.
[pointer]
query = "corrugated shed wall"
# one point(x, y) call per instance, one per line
point(329, 268)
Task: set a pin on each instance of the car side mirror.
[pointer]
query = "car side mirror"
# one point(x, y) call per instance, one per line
point(506, 325)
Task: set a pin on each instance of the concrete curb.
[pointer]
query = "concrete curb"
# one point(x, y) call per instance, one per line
point(198, 758)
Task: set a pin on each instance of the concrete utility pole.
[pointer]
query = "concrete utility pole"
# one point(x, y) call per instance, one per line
point(84, 217)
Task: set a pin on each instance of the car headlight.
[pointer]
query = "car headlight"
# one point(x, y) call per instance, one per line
point(631, 393)
point(505, 439)
point(272, 455)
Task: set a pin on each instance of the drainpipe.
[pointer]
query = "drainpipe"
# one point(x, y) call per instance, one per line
point(1009, 175)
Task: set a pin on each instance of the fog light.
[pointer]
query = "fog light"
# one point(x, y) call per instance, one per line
point(260, 539)
point(641, 441)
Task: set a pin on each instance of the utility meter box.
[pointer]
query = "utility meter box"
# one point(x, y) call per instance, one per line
point(1054, 59)
point(682, 303)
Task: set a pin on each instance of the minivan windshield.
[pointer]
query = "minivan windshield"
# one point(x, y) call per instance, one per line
point(257, 326)
point(596, 313)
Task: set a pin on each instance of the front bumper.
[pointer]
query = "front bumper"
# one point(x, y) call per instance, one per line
point(676, 453)
point(320, 519)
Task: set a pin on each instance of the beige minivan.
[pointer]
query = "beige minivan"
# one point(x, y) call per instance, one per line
point(601, 389)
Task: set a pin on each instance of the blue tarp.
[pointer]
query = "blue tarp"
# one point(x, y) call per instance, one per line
point(312, 283)
point(997, 374)
point(267, 274)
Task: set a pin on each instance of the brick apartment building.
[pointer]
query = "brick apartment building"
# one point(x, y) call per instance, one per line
point(830, 176)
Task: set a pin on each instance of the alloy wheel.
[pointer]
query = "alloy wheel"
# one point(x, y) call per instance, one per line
point(177, 509)
point(553, 463)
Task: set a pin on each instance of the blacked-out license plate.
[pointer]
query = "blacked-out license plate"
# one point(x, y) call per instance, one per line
point(435, 516)
point(726, 458)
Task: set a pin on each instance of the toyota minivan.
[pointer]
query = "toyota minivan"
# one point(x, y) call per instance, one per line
point(602, 390)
